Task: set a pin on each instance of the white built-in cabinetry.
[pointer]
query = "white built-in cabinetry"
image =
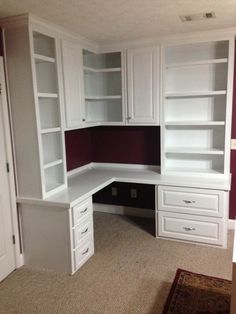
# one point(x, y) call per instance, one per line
point(143, 85)
point(72, 64)
point(35, 91)
point(196, 109)
point(103, 83)
point(58, 238)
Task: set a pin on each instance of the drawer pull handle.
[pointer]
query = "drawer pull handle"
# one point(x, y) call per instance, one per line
point(83, 232)
point(189, 229)
point(85, 252)
point(189, 202)
point(84, 211)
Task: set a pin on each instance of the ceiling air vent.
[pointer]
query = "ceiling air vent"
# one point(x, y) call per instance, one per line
point(197, 17)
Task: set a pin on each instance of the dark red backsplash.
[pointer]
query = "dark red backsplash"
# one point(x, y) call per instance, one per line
point(78, 148)
point(132, 145)
point(136, 145)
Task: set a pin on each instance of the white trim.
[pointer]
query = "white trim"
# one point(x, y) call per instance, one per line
point(231, 224)
point(80, 169)
point(126, 166)
point(124, 210)
point(107, 165)
point(15, 227)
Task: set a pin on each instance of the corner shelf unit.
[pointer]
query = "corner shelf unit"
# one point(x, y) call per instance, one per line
point(196, 113)
point(103, 87)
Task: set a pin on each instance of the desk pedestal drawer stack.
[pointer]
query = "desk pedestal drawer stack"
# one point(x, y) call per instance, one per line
point(189, 214)
point(57, 238)
point(83, 243)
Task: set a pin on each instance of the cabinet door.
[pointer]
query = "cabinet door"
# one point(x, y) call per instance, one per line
point(143, 85)
point(72, 62)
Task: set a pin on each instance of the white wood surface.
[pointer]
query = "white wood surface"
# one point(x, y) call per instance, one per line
point(7, 251)
point(72, 63)
point(86, 183)
point(143, 85)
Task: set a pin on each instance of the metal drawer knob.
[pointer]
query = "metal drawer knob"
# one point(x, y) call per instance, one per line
point(189, 229)
point(85, 252)
point(84, 211)
point(83, 232)
point(189, 202)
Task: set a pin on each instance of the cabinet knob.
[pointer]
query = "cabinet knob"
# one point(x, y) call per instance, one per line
point(129, 118)
point(83, 119)
point(188, 202)
point(189, 229)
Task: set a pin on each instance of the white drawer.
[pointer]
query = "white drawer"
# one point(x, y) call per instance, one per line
point(84, 252)
point(191, 228)
point(82, 230)
point(192, 201)
point(81, 210)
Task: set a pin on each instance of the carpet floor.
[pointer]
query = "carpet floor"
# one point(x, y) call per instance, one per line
point(131, 272)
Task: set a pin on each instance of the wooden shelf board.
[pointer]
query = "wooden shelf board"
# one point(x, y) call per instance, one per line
point(102, 97)
point(189, 123)
point(47, 95)
point(50, 130)
point(187, 150)
point(53, 163)
point(196, 63)
point(42, 58)
point(195, 94)
point(52, 186)
point(103, 70)
point(181, 170)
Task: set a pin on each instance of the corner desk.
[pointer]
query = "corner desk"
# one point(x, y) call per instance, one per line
point(58, 232)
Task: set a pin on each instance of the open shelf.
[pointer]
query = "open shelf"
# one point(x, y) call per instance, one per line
point(103, 70)
point(50, 130)
point(194, 123)
point(44, 45)
point(195, 150)
point(47, 95)
point(196, 63)
point(103, 97)
point(182, 170)
point(40, 58)
point(53, 163)
point(195, 94)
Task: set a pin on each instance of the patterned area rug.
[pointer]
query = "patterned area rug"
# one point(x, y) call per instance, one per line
point(193, 293)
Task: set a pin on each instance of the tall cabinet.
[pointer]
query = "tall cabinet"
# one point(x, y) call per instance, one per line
point(197, 105)
point(36, 99)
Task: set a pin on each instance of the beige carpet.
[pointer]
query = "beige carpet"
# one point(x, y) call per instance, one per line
point(131, 272)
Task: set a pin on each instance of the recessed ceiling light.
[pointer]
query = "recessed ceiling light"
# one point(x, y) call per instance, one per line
point(197, 17)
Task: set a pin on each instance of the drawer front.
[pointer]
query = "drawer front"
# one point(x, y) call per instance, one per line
point(191, 228)
point(83, 252)
point(81, 210)
point(192, 201)
point(82, 230)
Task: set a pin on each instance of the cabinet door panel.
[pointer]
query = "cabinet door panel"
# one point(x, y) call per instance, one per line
point(143, 85)
point(73, 84)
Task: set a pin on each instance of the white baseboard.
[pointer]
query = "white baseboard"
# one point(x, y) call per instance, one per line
point(123, 210)
point(231, 224)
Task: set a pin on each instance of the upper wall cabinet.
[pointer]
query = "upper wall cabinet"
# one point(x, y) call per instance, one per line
point(103, 87)
point(34, 80)
point(72, 65)
point(143, 66)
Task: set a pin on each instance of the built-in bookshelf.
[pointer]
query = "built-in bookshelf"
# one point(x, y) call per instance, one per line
point(50, 127)
point(103, 86)
point(194, 108)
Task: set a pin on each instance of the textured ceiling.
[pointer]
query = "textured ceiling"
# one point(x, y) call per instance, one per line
point(121, 20)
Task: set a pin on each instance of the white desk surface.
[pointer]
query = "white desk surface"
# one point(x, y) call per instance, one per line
point(85, 183)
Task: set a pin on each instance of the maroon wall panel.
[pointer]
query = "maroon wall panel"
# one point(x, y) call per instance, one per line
point(78, 148)
point(136, 145)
